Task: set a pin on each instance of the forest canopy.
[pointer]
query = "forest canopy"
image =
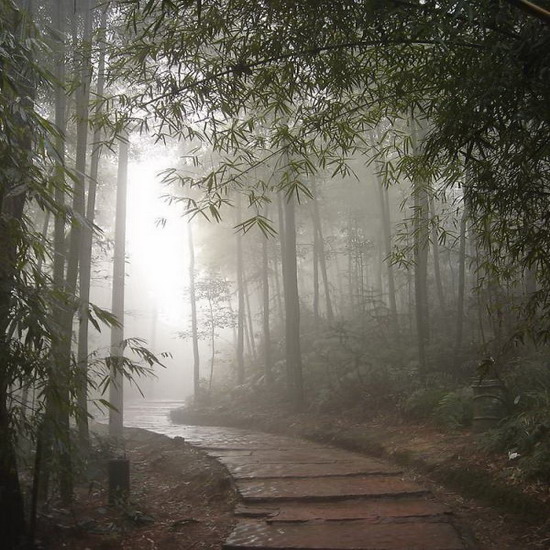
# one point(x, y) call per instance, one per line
point(313, 80)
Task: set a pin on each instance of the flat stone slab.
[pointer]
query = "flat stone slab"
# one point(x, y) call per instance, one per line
point(310, 455)
point(233, 438)
point(277, 470)
point(375, 510)
point(229, 454)
point(334, 488)
point(345, 535)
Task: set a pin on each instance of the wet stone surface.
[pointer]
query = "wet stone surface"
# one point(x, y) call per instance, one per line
point(291, 469)
point(350, 535)
point(375, 510)
point(333, 488)
point(300, 495)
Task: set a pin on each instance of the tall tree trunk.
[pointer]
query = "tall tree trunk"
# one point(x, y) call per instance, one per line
point(353, 296)
point(268, 356)
point(250, 323)
point(46, 437)
point(194, 323)
point(461, 285)
point(319, 252)
point(316, 316)
point(386, 230)
point(15, 161)
point(421, 241)
point(87, 233)
point(437, 263)
point(241, 304)
point(212, 345)
point(116, 389)
point(292, 308)
point(75, 251)
point(276, 271)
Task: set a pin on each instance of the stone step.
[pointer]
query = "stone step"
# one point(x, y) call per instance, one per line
point(375, 510)
point(333, 488)
point(293, 470)
point(342, 535)
point(312, 455)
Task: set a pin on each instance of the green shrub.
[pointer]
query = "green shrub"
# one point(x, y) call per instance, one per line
point(525, 434)
point(455, 409)
point(421, 404)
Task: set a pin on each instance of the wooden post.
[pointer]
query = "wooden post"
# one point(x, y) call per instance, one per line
point(119, 480)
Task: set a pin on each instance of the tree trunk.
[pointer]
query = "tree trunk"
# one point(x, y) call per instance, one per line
point(15, 162)
point(315, 272)
point(386, 230)
point(116, 388)
point(241, 304)
point(437, 264)
point(421, 241)
point(292, 308)
point(461, 285)
point(268, 357)
point(87, 233)
point(276, 271)
point(194, 326)
point(212, 345)
point(59, 313)
point(319, 248)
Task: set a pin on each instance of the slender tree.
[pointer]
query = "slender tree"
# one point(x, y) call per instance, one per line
point(17, 96)
point(421, 247)
point(87, 233)
point(266, 308)
point(387, 238)
point(116, 389)
point(320, 255)
point(292, 306)
point(194, 322)
point(241, 301)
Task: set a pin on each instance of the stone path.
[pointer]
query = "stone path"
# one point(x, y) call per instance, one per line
point(301, 495)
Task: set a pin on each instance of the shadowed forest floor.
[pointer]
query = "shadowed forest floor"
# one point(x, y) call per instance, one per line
point(179, 499)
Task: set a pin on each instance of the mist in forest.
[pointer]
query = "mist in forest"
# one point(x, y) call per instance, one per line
point(323, 207)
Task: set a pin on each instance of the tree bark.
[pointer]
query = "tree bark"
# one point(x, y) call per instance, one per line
point(116, 389)
point(461, 284)
point(87, 233)
point(268, 356)
point(437, 264)
point(241, 304)
point(194, 323)
point(421, 241)
point(250, 323)
point(386, 230)
point(292, 308)
point(15, 162)
point(320, 256)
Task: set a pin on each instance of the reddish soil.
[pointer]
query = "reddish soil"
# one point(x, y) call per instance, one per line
point(179, 499)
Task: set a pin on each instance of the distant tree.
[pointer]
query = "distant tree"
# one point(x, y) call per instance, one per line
point(116, 391)
point(194, 318)
point(292, 302)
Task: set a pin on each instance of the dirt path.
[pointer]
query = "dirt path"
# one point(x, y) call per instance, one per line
point(299, 495)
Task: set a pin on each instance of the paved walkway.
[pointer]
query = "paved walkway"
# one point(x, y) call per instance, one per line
point(301, 495)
